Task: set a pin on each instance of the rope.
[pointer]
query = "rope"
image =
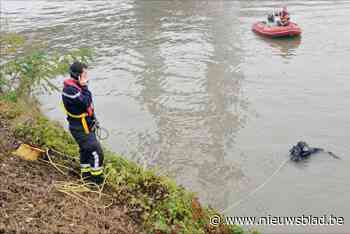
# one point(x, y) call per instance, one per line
point(258, 188)
point(53, 164)
point(100, 131)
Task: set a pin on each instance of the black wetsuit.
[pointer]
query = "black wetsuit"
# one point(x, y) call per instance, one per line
point(302, 150)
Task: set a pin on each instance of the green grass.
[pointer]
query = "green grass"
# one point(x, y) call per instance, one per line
point(156, 202)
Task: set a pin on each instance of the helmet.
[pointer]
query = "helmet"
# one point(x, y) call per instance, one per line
point(303, 146)
point(284, 10)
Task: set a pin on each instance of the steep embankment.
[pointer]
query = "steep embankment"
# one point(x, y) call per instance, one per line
point(30, 201)
point(47, 195)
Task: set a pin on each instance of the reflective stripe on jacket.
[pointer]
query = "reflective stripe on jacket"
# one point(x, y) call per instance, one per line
point(78, 105)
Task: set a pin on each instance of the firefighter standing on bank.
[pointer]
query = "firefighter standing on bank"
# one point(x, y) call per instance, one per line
point(78, 105)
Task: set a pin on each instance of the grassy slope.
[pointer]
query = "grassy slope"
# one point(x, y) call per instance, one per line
point(154, 202)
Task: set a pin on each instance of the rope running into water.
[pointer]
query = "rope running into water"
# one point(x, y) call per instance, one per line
point(258, 188)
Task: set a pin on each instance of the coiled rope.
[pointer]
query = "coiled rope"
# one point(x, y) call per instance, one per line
point(101, 133)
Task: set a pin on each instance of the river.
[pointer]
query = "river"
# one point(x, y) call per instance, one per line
point(186, 87)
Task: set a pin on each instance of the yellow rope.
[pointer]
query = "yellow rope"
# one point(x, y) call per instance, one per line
point(48, 156)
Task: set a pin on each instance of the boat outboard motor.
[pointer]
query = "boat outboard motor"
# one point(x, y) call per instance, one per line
point(302, 150)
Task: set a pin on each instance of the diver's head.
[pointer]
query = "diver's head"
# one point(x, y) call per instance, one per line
point(303, 146)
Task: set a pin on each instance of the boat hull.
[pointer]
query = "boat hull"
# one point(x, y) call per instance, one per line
point(263, 29)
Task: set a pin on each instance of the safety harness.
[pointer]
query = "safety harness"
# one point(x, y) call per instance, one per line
point(89, 112)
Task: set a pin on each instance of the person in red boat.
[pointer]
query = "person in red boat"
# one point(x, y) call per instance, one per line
point(284, 17)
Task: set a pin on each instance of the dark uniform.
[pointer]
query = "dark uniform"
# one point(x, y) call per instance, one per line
point(78, 104)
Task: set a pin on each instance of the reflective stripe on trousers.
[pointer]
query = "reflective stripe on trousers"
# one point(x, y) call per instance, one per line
point(91, 154)
point(85, 168)
point(96, 169)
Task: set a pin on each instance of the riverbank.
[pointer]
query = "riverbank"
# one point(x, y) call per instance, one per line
point(29, 199)
point(48, 196)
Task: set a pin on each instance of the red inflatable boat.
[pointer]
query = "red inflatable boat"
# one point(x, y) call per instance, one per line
point(266, 30)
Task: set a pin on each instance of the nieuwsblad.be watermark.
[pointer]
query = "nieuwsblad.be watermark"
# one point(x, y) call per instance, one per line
point(302, 220)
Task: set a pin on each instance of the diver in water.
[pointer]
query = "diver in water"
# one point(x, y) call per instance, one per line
point(302, 151)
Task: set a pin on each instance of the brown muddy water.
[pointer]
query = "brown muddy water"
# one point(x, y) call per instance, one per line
point(186, 87)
